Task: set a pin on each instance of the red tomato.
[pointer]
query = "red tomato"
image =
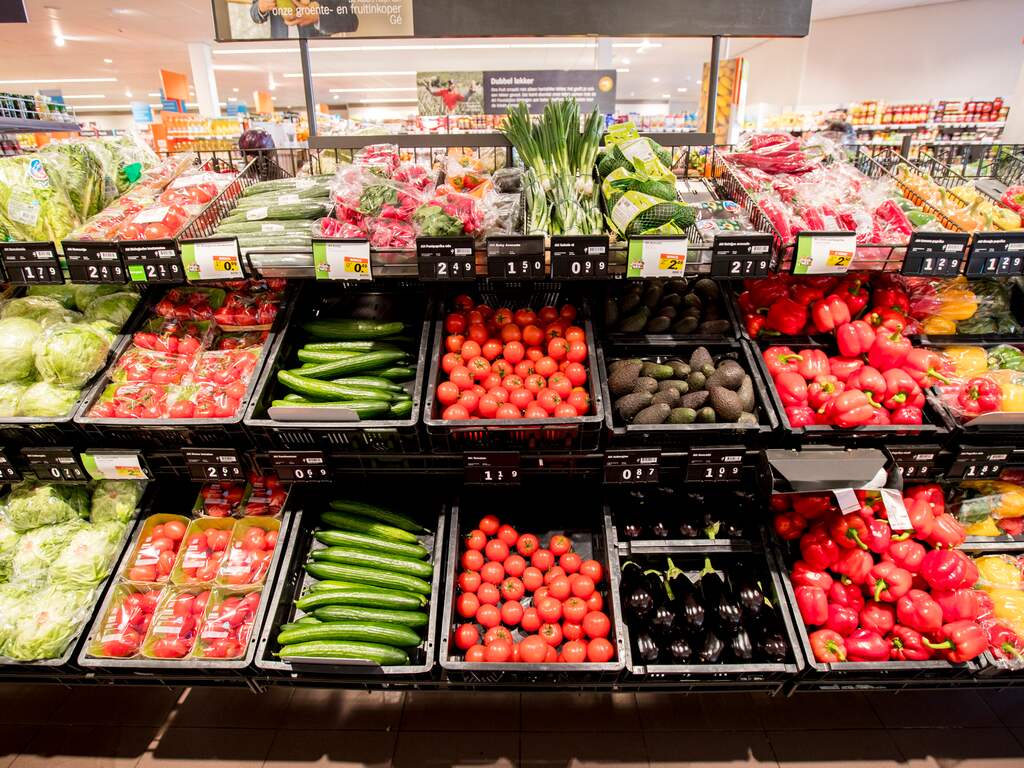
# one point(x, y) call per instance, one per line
point(595, 602)
point(545, 366)
point(477, 654)
point(466, 636)
point(561, 384)
point(461, 376)
point(469, 581)
point(553, 573)
point(596, 624)
point(477, 333)
point(535, 411)
point(463, 302)
point(497, 633)
point(600, 650)
point(455, 413)
point(570, 629)
point(533, 336)
point(524, 316)
point(575, 333)
point(512, 589)
point(533, 354)
point(470, 349)
point(559, 588)
point(577, 352)
point(502, 367)
point(488, 616)
point(551, 655)
point(533, 579)
point(570, 562)
point(531, 620)
point(472, 560)
point(454, 323)
point(450, 361)
point(508, 534)
point(551, 634)
point(493, 380)
point(555, 330)
point(558, 348)
point(512, 612)
point(479, 367)
point(487, 406)
point(514, 352)
point(254, 539)
point(488, 593)
point(511, 382)
point(535, 383)
point(567, 312)
point(508, 411)
point(549, 609)
point(582, 586)
point(447, 393)
point(491, 349)
point(467, 605)
point(454, 342)
point(580, 401)
point(502, 316)
point(539, 594)
point(560, 544)
point(470, 399)
point(496, 549)
point(500, 394)
point(476, 539)
point(492, 572)
point(142, 573)
point(533, 649)
point(548, 399)
point(527, 544)
point(542, 559)
point(510, 332)
point(520, 397)
point(514, 565)
point(574, 652)
point(524, 369)
point(593, 569)
point(547, 314)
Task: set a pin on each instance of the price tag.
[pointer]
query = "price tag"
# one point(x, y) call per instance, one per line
point(828, 253)
point(31, 263)
point(632, 465)
point(492, 468)
point(896, 510)
point(213, 259)
point(980, 463)
point(741, 255)
point(916, 463)
point(55, 465)
point(301, 466)
point(445, 259)
point(935, 254)
point(94, 262)
point(657, 257)
point(579, 257)
point(213, 463)
point(154, 261)
point(714, 465)
point(347, 259)
point(516, 258)
point(996, 253)
point(114, 465)
point(8, 474)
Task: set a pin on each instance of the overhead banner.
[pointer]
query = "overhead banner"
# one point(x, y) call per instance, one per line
point(284, 19)
point(493, 92)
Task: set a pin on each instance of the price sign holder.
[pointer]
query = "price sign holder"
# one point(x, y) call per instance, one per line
point(980, 463)
point(213, 258)
point(499, 468)
point(8, 474)
point(632, 466)
point(31, 263)
point(516, 257)
point(114, 464)
point(996, 254)
point(657, 256)
point(935, 254)
point(55, 465)
point(213, 463)
point(824, 253)
point(94, 262)
point(445, 259)
point(741, 255)
point(715, 465)
point(342, 259)
point(153, 261)
point(917, 462)
point(301, 466)
point(579, 257)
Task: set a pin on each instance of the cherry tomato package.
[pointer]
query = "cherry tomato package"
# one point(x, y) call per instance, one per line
point(241, 340)
point(206, 545)
point(230, 368)
point(156, 550)
point(189, 302)
point(144, 365)
point(228, 624)
point(179, 337)
point(126, 622)
point(250, 552)
point(265, 496)
point(176, 623)
point(219, 500)
point(248, 310)
point(134, 400)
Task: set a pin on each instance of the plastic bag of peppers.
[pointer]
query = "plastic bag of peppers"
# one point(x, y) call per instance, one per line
point(983, 380)
point(1001, 583)
point(871, 594)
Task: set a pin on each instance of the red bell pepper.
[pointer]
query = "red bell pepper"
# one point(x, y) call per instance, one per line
point(924, 366)
point(787, 317)
point(754, 325)
point(889, 350)
point(829, 313)
point(958, 604)
point(850, 409)
point(813, 505)
point(908, 414)
point(932, 493)
point(764, 292)
point(827, 646)
point(978, 396)
point(878, 617)
point(896, 224)
point(891, 298)
point(813, 605)
point(888, 582)
point(1005, 643)
point(879, 535)
point(921, 517)
point(901, 390)
point(946, 569)
point(907, 554)
point(844, 367)
point(817, 548)
point(800, 415)
point(960, 641)
point(780, 359)
point(849, 531)
point(854, 564)
point(841, 619)
point(854, 294)
point(822, 389)
point(813, 362)
point(946, 532)
point(869, 381)
point(879, 418)
point(847, 595)
point(917, 610)
point(805, 293)
point(789, 526)
point(906, 644)
point(803, 575)
point(1011, 526)
point(792, 388)
point(887, 320)
point(855, 338)
point(864, 645)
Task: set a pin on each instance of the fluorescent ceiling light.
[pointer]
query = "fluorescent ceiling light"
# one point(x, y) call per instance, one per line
point(236, 68)
point(627, 62)
point(643, 44)
point(655, 79)
point(681, 90)
point(93, 107)
point(371, 90)
point(583, 45)
point(77, 96)
point(154, 94)
point(234, 90)
point(622, 70)
point(128, 93)
point(108, 61)
point(60, 80)
point(396, 73)
point(665, 96)
point(59, 41)
point(387, 101)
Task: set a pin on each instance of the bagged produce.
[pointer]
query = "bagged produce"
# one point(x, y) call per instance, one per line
point(115, 500)
point(70, 354)
point(34, 200)
point(32, 504)
point(44, 399)
point(45, 622)
point(89, 555)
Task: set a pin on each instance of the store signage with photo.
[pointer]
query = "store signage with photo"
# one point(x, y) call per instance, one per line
point(493, 92)
point(284, 19)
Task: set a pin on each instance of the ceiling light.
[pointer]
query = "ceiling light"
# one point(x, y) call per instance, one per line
point(626, 62)
point(665, 96)
point(155, 95)
point(128, 93)
point(645, 43)
point(336, 97)
point(372, 90)
point(60, 80)
point(271, 82)
point(387, 101)
point(273, 98)
point(77, 96)
point(236, 68)
point(681, 90)
point(232, 98)
point(58, 40)
point(93, 107)
point(655, 79)
point(622, 70)
point(234, 90)
point(586, 45)
point(396, 73)
point(108, 61)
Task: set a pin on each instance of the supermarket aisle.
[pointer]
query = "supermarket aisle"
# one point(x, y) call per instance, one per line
point(217, 727)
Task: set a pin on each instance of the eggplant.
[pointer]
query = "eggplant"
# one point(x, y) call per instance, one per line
point(677, 583)
point(659, 529)
point(680, 651)
point(766, 622)
point(732, 530)
point(751, 599)
point(631, 574)
point(639, 603)
point(711, 649)
point(632, 531)
point(711, 585)
point(728, 615)
point(646, 648)
point(662, 622)
point(771, 647)
point(655, 585)
point(688, 530)
point(689, 615)
point(741, 649)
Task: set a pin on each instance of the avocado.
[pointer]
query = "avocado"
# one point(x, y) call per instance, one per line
point(707, 369)
point(679, 285)
point(747, 418)
point(731, 374)
point(671, 300)
point(692, 300)
point(746, 394)
point(726, 404)
point(658, 324)
point(629, 301)
point(696, 380)
point(714, 327)
point(669, 312)
point(646, 384)
point(611, 312)
point(652, 295)
point(682, 416)
point(622, 378)
point(629, 406)
point(653, 414)
point(700, 357)
point(706, 415)
point(707, 288)
point(635, 322)
point(656, 370)
point(670, 396)
point(679, 369)
point(693, 312)
point(694, 400)
point(685, 325)
point(679, 384)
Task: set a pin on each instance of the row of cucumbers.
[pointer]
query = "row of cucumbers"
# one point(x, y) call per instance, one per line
point(364, 366)
point(371, 589)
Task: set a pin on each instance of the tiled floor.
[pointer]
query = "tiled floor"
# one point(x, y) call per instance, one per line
point(223, 728)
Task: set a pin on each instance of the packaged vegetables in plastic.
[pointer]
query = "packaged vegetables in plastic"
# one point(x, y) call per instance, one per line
point(983, 380)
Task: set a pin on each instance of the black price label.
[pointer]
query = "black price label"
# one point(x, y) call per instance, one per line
point(31, 263)
point(935, 254)
point(916, 463)
point(715, 465)
point(213, 463)
point(632, 465)
point(515, 258)
point(996, 253)
point(579, 257)
point(94, 262)
point(445, 259)
point(8, 474)
point(301, 466)
point(153, 261)
point(980, 463)
point(492, 468)
point(741, 255)
point(55, 465)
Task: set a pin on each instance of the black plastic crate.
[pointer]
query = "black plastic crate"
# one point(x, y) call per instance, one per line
point(994, 668)
point(723, 308)
point(687, 434)
point(589, 540)
point(293, 584)
point(372, 436)
point(165, 433)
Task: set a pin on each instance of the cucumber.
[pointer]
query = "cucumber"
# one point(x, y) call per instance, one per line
point(354, 346)
point(313, 387)
point(349, 539)
point(362, 363)
point(308, 210)
point(367, 559)
point(377, 513)
point(292, 397)
point(369, 597)
point(384, 655)
point(315, 356)
point(365, 409)
point(395, 373)
point(285, 185)
point(359, 524)
point(351, 330)
point(401, 409)
point(370, 576)
point(360, 631)
point(359, 613)
point(372, 382)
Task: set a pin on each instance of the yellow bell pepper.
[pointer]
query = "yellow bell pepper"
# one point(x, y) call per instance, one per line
point(998, 572)
point(939, 326)
point(1008, 606)
point(1013, 397)
point(1002, 499)
point(957, 304)
point(986, 527)
point(967, 361)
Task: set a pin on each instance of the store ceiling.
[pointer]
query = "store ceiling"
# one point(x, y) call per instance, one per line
point(125, 42)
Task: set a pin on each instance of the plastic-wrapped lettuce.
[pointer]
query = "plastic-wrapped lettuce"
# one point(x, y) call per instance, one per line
point(36, 550)
point(89, 556)
point(45, 311)
point(12, 596)
point(131, 157)
point(44, 399)
point(10, 396)
point(46, 621)
point(34, 203)
point(83, 175)
point(84, 295)
point(64, 293)
point(114, 308)
point(8, 545)
point(70, 354)
point(115, 500)
point(32, 504)
point(18, 336)
point(108, 171)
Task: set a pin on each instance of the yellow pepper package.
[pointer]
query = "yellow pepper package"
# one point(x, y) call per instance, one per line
point(984, 380)
point(991, 508)
point(998, 598)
